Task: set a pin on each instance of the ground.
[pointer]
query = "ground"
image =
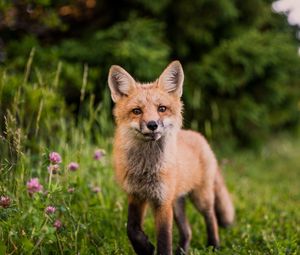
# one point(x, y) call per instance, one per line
point(264, 185)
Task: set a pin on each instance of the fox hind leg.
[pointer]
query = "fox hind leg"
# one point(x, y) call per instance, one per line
point(204, 202)
point(185, 233)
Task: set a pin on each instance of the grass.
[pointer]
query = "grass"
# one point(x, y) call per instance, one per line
point(264, 185)
point(266, 192)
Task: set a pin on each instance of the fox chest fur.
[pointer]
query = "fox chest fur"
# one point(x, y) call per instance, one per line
point(144, 164)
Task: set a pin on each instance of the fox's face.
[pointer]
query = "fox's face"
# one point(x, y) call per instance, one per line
point(147, 111)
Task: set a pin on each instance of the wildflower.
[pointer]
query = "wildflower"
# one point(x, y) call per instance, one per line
point(4, 201)
point(53, 168)
point(34, 186)
point(50, 209)
point(98, 154)
point(54, 157)
point(73, 166)
point(57, 224)
point(71, 190)
point(96, 189)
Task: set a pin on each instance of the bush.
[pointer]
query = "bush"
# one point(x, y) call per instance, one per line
point(250, 85)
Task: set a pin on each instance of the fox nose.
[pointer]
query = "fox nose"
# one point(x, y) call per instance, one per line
point(152, 125)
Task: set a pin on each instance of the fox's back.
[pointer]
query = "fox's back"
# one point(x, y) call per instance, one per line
point(195, 160)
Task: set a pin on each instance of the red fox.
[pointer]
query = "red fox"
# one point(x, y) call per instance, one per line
point(158, 163)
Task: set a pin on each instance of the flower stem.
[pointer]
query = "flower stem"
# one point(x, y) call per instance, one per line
point(50, 179)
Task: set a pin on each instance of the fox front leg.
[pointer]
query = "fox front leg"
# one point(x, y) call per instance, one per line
point(136, 235)
point(163, 224)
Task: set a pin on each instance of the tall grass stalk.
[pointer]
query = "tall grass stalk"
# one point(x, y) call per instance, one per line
point(38, 117)
point(17, 101)
point(57, 75)
point(84, 82)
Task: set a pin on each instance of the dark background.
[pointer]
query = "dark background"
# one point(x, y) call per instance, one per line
point(240, 60)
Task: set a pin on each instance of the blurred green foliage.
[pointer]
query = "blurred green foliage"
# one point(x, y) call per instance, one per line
point(240, 58)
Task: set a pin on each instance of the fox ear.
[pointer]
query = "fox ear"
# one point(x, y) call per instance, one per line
point(120, 82)
point(171, 80)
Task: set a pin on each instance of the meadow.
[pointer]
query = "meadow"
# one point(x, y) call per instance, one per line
point(59, 196)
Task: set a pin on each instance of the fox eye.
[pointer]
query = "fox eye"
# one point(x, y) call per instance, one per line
point(162, 108)
point(137, 111)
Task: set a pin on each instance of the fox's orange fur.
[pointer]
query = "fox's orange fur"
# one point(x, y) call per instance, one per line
point(158, 163)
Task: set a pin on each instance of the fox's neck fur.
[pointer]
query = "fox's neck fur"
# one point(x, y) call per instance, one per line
point(145, 162)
